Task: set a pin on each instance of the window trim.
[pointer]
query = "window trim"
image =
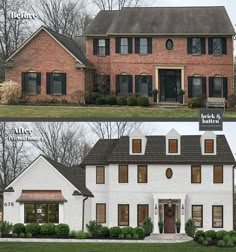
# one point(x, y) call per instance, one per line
point(138, 205)
point(119, 215)
point(222, 207)
point(127, 174)
point(201, 215)
point(169, 169)
point(146, 181)
point(100, 166)
point(213, 149)
point(140, 140)
point(200, 174)
point(105, 214)
point(222, 169)
point(177, 142)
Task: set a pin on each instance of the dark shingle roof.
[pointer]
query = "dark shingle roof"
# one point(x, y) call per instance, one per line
point(155, 153)
point(75, 175)
point(163, 20)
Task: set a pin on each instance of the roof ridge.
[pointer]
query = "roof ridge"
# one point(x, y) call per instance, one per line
point(50, 29)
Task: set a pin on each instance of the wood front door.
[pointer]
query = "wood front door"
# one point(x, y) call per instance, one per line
point(169, 219)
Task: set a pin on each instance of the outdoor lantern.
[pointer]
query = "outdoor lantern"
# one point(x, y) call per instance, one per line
point(155, 209)
point(182, 209)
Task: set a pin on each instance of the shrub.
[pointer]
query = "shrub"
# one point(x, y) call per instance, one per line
point(140, 232)
point(28, 235)
point(190, 228)
point(114, 232)
point(135, 236)
point(111, 100)
point(103, 232)
point(9, 92)
point(229, 243)
point(198, 234)
point(232, 100)
point(220, 243)
point(14, 235)
point(132, 101)
point(201, 239)
point(33, 228)
point(232, 233)
point(147, 226)
point(127, 230)
point(47, 229)
point(18, 228)
point(205, 243)
point(5, 228)
point(194, 103)
point(81, 235)
point(121, 100)
point(208, 239)
point(73, 234)
point(22, 235)
point(226, 238)
point(220, 234)
point(92, 97)
point(121, 236)
point(210, 233)
point(128, 236)
point(93, 227)
point(62, 230)
point(143, 101)
point(100, 101)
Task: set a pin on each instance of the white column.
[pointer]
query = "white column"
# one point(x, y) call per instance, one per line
point(156, 217)
point(22, 213)
point(182, 215)
point(61, 213)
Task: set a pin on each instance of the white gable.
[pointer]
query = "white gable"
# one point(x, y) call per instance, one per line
point(173, 134)
point(208, 135)
point(137, 134)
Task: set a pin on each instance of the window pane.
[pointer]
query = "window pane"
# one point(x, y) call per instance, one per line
point(209, 146)
point(41, 212)
point(217, 216)
point(196, 45)
point(100, 178)
point(31, 85)
point(197, 87)
point(56, 87)
point(124, 85)
point(143, 45)
point(218, 174)
point(124, 45)
point(196, 174)
point(217, 46)
point(29, 213)
point(136, 145)
point(123, 174)
point(101, 213)
point(142, 174)
point(218, 87)
point(173, 145)
point(197, 215)
point(101, 47)
point(53, 213)
point(142, 214)
point(123, 215)
point(143, 86)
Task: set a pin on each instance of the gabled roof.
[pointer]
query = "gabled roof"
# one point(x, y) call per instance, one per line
point(70, 45)
point(116, 151)
point(209, 20)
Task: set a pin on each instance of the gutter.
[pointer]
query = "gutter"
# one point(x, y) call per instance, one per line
point(83, 212)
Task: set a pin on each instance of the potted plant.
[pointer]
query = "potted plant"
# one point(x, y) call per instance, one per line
point(181, 94)
point(178, 224)
point(154, 94)
point(161, 226)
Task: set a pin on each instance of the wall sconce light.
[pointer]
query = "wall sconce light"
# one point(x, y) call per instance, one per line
point(182, 209)
point(155, 209)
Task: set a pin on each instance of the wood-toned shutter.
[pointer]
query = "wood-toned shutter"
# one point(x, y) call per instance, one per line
point(189, 45)
point(117, 84)
point(23, 82)
point(149, 44)
point(203, 86)
point(137, 45)
point(130, 45)
point(38, 82)
point(210, 45)
point(48, 83)
point(190, 85)
point(224, 45)
point(130, 85)
point(64, 83)
point(107, 46)
point(225, 87)
point(95, 46)
point(211, 86)
point(137, 80)
point(117, 45)
point(203, 46)
point(149, 81)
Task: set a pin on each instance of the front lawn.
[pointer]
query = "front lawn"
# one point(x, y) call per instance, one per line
point(107, 247)
point(99, 112)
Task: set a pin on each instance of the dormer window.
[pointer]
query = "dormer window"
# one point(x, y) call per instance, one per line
point(136, 145)
point(209, 146)
point(173, 145)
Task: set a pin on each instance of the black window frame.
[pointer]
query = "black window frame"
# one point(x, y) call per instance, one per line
point(96, 47)
point(190, 45)
point(222, 207)
point(105, 215)
point(224, 86)
point(169, 41)
point(138, 79)
point(222, 178)
point(192, 166)
point(129, 45)
point(49, 83)
point(127, 174)
point(223, 44)
point(120, 205)
point(201, 226)
point(24, 82)
point(138, 205)
point(103, 169)
point(129, 84)
point(146, 168)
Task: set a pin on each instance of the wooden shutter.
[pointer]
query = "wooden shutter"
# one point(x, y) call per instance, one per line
point(117, 84)
point(64, 83)
point(190, 85)
point(137, 80)
point(225, 87)
point(149, 82)
point(95, 46)
point(130, 45)
point(130, 84)
point(117, 45)
point(23, 82)
point(107, 46)
point(203, 86)
point(224, 45)
point(189, 45)
point(203, 46)
point(211, 86)
point(210, 45)
point(149, 45)
point(48, 83)
point(137, 45)
point(38, 82)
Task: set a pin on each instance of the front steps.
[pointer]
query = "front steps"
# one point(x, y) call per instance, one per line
point(168, 238)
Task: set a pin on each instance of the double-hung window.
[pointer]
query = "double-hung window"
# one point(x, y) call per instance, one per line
point(101, 47)
point(217, 216)
point(196, 45)
point(56, 83)
point(143, 45)
point(217, 46)
point(143, 85)
point(218, 87)
point(31, 83)
point(197, 215)
point(124, 85)
point(196, 86)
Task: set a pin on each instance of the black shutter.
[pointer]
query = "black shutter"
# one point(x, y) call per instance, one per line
point(210, 45)
point(203, 46)
point(225, 87)
point(189, 45)
point(108, 81)
point(149, 81)
point(190, 84)
point(107, 46)
point(95, 46)
point(48, 83)
point(63, 83)
point(224, 45)
point(137, 80)
point(137, 45)
point(149, 44)
point(203, 86)
point(211, 86)
point(117, 84)
point(130, 83)
point(130, 45)
point(38, 83)
point(117, 45)
point(23, 82)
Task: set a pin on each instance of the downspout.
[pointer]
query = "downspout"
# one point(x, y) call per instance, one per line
point(234, 199)
point(83, 213)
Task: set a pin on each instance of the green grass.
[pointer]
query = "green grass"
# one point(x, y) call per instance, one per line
point(107, 247)
point(106, 112)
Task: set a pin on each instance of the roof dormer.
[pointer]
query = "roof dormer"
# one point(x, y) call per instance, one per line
point(173, 146)
point(137, 143)
point(208, 143)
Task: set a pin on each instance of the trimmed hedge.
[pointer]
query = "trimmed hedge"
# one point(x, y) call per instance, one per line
point(210, 233)
point(127, 231)
point(139, 231)
point(132, 101)
point(33, 228)
point(47, 229)
point(122, 100)
point(143, 101)
point(220, 234)
point(62, 230)
point(100, 101)
point(114, 232)
point(111, 100)
point(18, 228)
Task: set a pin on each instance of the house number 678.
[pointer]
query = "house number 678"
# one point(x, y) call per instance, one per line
point(6, 204)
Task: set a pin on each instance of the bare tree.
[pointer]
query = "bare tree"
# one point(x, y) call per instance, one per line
point(13, 156)
point(62, 142)
point(66, 17)
point(108, 130)
point(116, 4)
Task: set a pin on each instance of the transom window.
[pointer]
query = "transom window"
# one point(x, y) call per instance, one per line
point(142, 174)
point(31, 82)
point(123, 215)
point(173, 145)
point(197, 212)
point(101, 213)
point(123, 173)
point(56, 83)
point(100, 175)
point(136, 145)
point(142, 214)
point(218, 173)
point(196, 174)
point(209, 146)
point(217, 216)
point(41, 213)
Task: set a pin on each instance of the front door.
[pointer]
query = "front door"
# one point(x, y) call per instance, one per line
point(169, 218)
